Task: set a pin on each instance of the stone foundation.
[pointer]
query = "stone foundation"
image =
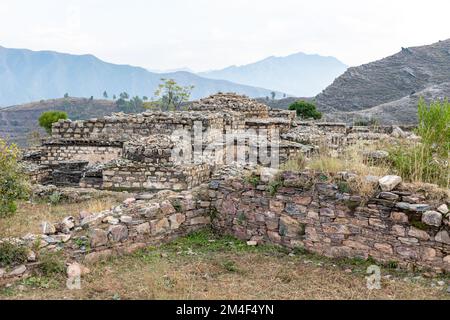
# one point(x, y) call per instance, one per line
point(301, 210)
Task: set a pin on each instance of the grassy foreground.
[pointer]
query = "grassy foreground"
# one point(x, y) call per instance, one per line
point(203, 266)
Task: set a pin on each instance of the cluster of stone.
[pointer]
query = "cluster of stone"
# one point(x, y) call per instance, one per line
point(136, 223)
point(302, 210)
point(232, 102)
point(338, 136)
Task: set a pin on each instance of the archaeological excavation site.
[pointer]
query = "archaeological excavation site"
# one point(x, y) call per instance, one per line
point(211, 167)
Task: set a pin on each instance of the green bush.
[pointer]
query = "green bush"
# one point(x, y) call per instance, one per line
point(428, 160)
point(11, 254)
point(305, 110)
point(13, 184)
point(51, 264)
point(48, 118)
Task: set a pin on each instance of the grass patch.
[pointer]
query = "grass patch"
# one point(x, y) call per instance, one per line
point(41, 282)
point(11, 254)
point(419, 225)
point(274, 186)
point(253, 180)
point(51, 265)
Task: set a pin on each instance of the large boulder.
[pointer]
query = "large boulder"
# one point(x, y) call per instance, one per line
point(388, 183)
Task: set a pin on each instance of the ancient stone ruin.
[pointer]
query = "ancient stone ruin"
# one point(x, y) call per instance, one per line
point(251, 201)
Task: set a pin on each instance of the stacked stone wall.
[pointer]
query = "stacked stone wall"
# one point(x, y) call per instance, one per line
point(301, 210)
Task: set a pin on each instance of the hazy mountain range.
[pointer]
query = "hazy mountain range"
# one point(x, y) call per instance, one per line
point(28, 76)
point(300, 74)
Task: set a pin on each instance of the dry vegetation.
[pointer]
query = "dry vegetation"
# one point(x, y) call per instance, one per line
point(204, 267)
point(29, 215)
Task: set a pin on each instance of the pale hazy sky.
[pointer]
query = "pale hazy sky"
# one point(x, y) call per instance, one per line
point(210, 34)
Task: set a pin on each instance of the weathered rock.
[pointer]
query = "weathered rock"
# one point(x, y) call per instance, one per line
point(126, 219)
point(167, 208)
point(289, 227)
point(327, 212)
point(98, 238)
point(76, 270)
point(118, 233)
point(48, 228)
point(388, 183)
point(413, 207)
point(268, 174)
point(443, 209)
point(176, 220)
point(84, 214)
point(384, 247)
point(200, 220)
point(442, 237)
point(419, 234)
point(94, 257)
point(129, 201)
point(159, 226)
point(399, 217)
point(18, 271)
point(398, 133)
point(68, 223)
point(62, 238)
point(92, 219)
point(377, 156)
point(252, 243)
point(389, 196)
point(143, 228)
point(2, 272)
point(31, 256)
point(432, 218)
point(111, 220)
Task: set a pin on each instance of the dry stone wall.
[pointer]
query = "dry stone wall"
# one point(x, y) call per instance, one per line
point(304, 210)
point(56, 153)
point(295, 210)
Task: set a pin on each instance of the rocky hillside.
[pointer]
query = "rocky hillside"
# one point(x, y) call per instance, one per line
point(17, 122)
point(403, 111)
point(391, 83)
point(28, 76)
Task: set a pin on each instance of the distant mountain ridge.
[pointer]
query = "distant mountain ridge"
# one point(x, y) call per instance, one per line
point(28, 76)
point(299, 74)
point(390, 88)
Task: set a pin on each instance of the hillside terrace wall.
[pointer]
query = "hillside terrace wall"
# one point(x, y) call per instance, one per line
point(301, 210)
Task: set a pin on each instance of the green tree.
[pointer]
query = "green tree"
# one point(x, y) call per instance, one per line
point(114, 97)
point(124, 96)
point(305, 110)
point(48, 118)
point(13, 184)
point(170, 96)
point(105, 95)
point(66, 95)
point(273, 94)
point(133, 105)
